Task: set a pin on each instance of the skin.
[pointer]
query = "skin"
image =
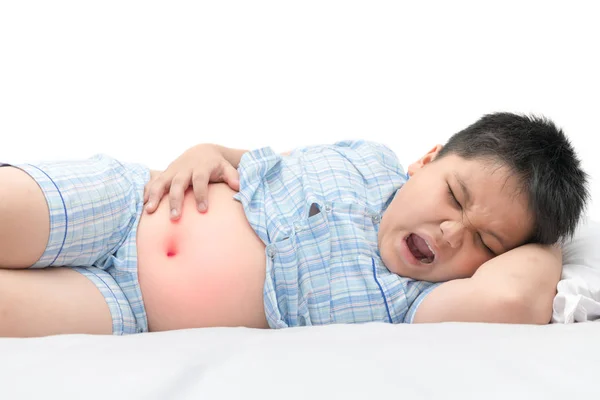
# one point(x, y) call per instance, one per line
point(455, 229)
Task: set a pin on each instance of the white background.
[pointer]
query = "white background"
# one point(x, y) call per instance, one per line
point(143, 81)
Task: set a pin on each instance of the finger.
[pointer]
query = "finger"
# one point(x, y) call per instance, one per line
point(147, 187)
point(200, 184)
point(179, 185)
point(231, 176)
point(155, 193)
point(146, 191)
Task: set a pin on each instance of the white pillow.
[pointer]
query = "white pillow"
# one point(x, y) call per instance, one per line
point(578, 297)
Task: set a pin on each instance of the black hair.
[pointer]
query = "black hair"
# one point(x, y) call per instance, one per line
point(543, 159)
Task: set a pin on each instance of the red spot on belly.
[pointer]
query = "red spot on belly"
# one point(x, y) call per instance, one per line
point(171, 247)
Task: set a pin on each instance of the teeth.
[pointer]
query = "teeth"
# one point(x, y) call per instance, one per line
point(430, 249)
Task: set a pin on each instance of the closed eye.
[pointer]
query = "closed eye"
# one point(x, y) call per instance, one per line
point(486, 247)
point(456, 203)
point(453, 197)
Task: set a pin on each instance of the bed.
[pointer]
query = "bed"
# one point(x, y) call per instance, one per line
point(81, 78)
point(449, 360)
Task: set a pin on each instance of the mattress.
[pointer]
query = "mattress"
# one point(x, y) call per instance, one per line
point(374, 360)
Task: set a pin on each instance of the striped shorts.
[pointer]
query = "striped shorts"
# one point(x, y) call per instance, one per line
point(95, 205)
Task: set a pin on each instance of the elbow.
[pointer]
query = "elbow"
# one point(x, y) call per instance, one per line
point(523, 309)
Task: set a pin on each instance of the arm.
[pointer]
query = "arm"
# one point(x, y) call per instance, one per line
point(233, 156)
point(196, 167)
point(516, 287)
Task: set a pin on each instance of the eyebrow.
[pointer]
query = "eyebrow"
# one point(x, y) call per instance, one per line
point(467, 196)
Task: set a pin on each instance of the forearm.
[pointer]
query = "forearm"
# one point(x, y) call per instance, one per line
point(233, 156)
point(516, 287)
point(525, 277)
point(462, 300)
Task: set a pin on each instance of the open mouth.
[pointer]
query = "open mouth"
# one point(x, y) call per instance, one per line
point(420, 249)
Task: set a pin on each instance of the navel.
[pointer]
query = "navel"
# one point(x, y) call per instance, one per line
point(171, 247)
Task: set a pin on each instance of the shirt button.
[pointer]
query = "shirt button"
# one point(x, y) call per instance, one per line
point(376, 218)
point(327, 208)
point(271, 252)
point(297, 227)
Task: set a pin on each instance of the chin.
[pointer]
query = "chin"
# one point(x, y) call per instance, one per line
point(396, 266)
point(413, 274)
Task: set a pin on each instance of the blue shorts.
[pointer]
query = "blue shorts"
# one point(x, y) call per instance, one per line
point(95, 205)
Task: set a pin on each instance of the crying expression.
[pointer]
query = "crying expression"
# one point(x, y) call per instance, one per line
point(452, 216)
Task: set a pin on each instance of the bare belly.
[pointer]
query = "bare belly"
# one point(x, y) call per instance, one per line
point(203, 270)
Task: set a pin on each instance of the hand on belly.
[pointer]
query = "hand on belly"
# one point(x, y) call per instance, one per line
point(202, 270)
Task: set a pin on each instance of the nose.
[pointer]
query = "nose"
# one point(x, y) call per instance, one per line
point(453, 232)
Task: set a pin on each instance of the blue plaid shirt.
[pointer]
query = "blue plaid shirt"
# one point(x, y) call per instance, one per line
point(318, 212)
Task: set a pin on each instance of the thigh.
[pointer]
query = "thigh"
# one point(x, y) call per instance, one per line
point(92, 205)
point(24, 219)
point(42, 302)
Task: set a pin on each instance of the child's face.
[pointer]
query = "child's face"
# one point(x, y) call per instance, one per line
point(458, 233)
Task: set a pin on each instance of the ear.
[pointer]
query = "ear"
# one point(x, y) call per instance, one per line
point(426, 159)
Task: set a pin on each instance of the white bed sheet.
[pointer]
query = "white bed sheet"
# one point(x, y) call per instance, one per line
point(449, 361)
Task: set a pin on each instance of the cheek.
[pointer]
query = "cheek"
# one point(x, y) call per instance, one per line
point(413, 202)
point(394, 213)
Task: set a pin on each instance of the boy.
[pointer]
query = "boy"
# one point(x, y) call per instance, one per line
point(324, 234)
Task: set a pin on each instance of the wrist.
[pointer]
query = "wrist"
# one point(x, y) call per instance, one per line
point(523, 281)
point(233, 156)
